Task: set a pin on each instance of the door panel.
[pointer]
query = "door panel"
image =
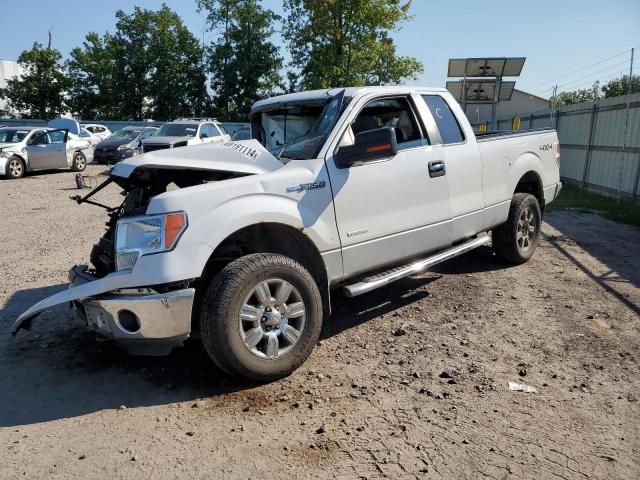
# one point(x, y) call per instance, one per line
point(37, 151)
point(58, 148)
point(390, 210)
point(464, 167)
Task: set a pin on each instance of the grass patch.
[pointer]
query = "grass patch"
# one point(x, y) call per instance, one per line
point(574, 198)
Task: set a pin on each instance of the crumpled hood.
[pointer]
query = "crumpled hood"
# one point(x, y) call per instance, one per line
point(166, 140)
point(11, 146)
point(248, 157)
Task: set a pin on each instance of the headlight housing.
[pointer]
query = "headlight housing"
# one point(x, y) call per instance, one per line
point(146, 235)
point(124, 151)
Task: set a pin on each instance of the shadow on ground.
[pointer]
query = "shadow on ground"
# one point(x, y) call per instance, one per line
point(61, 370)
point(613, 247)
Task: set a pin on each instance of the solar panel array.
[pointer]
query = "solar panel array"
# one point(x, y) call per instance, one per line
point(482, 76)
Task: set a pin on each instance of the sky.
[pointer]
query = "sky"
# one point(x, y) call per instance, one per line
point(567, 42)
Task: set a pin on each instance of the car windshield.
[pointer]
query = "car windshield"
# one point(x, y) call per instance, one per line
point(11, 135)
point(299, 131)
point(177, 130)
point(125, 134)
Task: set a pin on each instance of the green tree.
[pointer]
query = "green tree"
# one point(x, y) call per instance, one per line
point(244, 63)
point(619, 86)
point(93, 79)
point(39, 91)
point(152, 66)
point(579, 96)
point(346, 42)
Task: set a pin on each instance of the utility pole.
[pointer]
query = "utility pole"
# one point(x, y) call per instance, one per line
point(626, 129)
point(553, 104)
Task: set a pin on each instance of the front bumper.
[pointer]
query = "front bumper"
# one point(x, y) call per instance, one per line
point(145, 322)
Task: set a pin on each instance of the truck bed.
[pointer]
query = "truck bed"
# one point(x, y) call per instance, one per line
point(510, 133)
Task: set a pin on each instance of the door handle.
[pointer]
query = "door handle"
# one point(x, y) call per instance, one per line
point(437, 168)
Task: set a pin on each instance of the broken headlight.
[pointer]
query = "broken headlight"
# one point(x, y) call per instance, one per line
point(145, 235)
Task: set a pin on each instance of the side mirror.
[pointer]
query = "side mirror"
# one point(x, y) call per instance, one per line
point(369, 146)
point(204, 135)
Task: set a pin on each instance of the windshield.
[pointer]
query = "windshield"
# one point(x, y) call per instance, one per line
point(177, 130)
point(125, 134)
point(299, 131)
point(11, 135)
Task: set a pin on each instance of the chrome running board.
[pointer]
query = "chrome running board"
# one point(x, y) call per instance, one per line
point(385, 278)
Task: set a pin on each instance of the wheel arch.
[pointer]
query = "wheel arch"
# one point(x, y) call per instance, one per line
point(531, 183)
point(270, 237)
point(23, 159)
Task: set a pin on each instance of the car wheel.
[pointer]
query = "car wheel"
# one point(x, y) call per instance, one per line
point(79, 162)
point(15, 168)
point(516, 240)
point(261, 317)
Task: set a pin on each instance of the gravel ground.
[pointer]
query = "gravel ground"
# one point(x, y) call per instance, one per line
point(408, 382)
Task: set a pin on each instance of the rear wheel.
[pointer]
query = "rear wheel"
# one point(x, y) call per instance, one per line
point(79, 162)
point(516, 240)
point(261, 317)
point(15, 168)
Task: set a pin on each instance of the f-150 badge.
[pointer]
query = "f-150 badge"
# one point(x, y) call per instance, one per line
point(305, 186)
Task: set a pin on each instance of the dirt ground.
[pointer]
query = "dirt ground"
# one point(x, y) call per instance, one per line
point(407, 382)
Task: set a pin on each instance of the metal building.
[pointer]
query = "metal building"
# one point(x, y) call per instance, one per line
point(8, 70)
point(521, 103)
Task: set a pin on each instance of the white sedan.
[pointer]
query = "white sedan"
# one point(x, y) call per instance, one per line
point(97, 129)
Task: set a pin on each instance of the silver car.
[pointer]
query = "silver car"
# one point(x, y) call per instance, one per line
point(25, 149)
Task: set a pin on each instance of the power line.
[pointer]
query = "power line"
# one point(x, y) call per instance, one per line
point(547, 82)
point(592, 75)
point(590, 83)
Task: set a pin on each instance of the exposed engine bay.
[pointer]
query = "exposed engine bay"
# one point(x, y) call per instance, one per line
point(138, 190)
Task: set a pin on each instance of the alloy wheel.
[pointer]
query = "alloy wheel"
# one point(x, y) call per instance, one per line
point(272, 318)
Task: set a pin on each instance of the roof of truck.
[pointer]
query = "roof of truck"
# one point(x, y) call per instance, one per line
point(320, 95)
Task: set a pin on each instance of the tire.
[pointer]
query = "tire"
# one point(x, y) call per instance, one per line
point(516, 240)
point(15, 168)
point(79, 162)
point(262, 345)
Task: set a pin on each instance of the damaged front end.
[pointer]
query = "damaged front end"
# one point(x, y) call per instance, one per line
point(139, 288)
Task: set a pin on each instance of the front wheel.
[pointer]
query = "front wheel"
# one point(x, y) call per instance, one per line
point(516, 240)
point(15, 168)
point(261, 317)
point(79, 162)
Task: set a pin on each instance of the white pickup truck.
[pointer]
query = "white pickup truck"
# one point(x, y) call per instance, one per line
point(348, 188)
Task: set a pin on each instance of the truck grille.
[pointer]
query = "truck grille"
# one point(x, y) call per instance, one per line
point(155, 146)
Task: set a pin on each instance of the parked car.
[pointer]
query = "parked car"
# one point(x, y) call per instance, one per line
point(244, 133)
point(97, 129)
point(26, 149)
point(91, 137)
point(125, 143)
point(181, 133)
point(367, 186)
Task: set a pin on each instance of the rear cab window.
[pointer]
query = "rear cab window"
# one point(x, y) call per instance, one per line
point(446, 121)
